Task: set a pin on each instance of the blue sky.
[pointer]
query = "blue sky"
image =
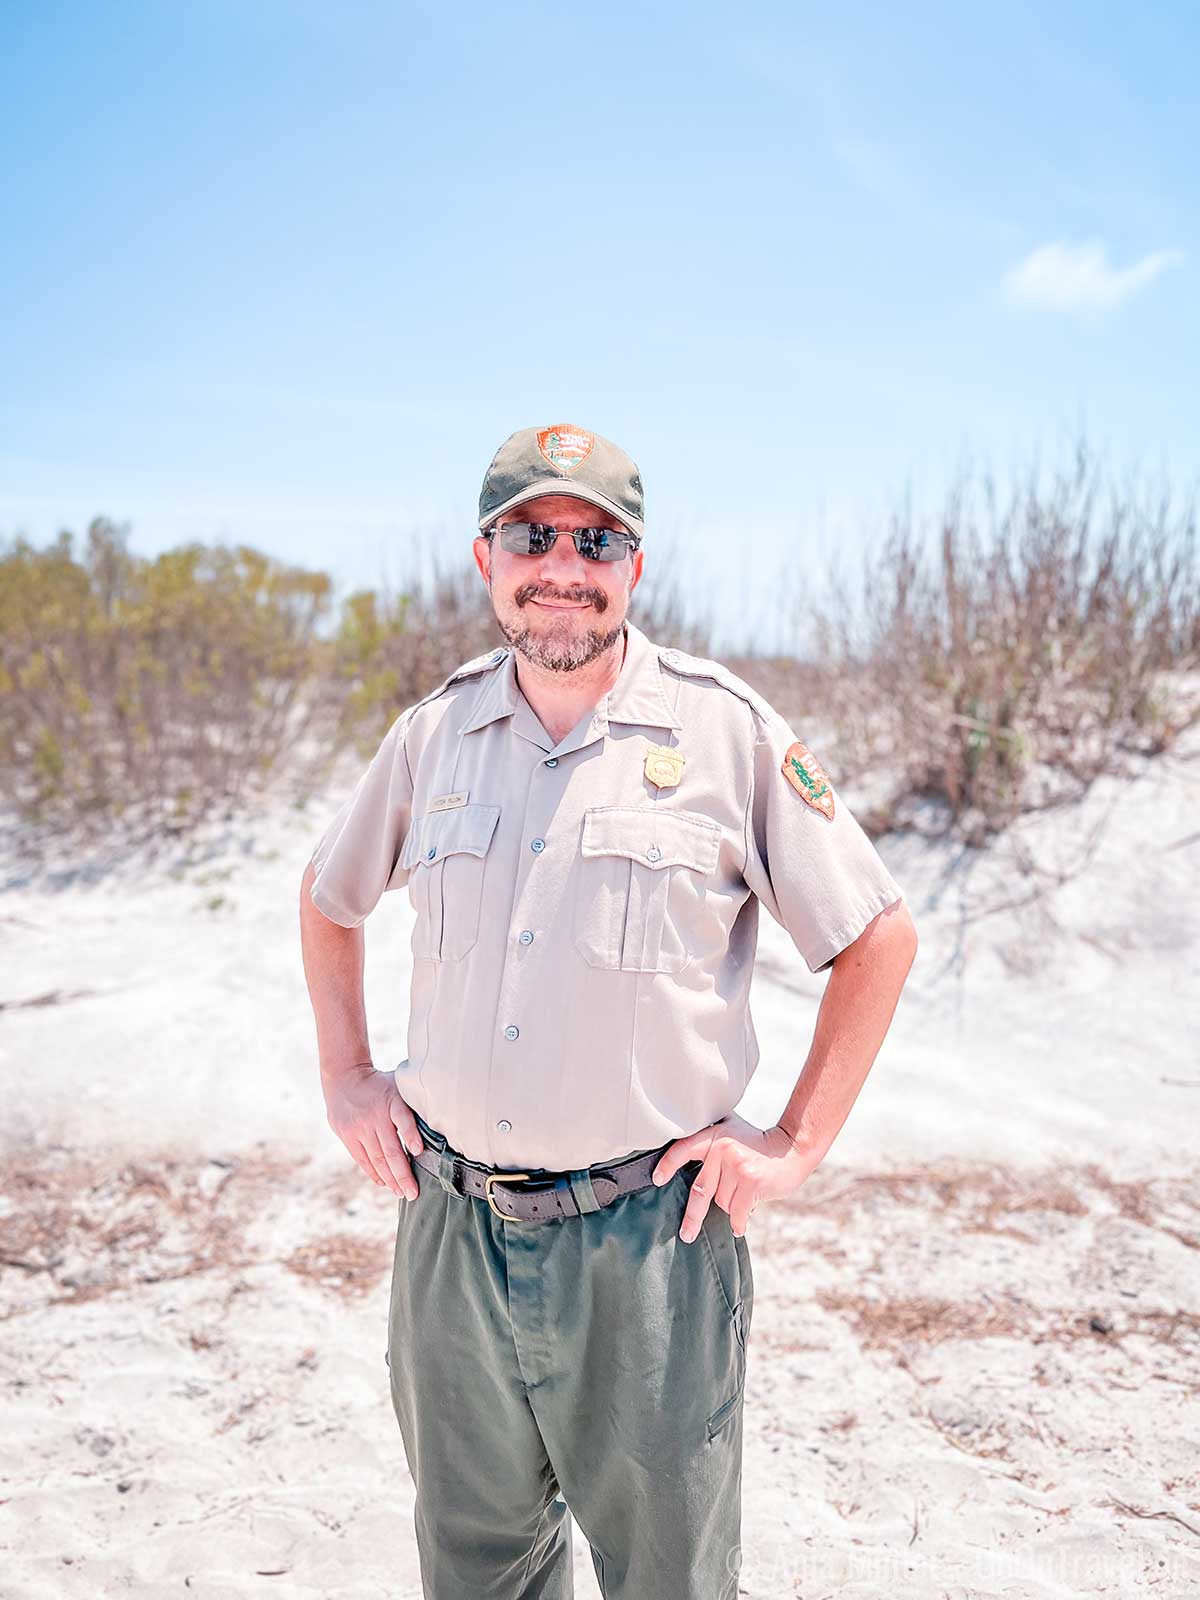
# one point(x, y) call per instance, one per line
point(288, 273)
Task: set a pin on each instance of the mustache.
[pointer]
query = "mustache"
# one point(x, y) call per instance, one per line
point(535, 591)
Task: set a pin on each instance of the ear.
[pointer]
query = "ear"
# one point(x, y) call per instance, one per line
point(481, 549)
point(636, 560)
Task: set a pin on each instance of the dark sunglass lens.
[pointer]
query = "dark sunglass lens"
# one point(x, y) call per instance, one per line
point(514, 537)
point(609, 546)
point(535, 538)
point(588, 544)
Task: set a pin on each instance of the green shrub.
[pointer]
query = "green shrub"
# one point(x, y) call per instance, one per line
point(149, 689)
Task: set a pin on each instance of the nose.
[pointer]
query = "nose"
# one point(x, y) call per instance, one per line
point(562, 564)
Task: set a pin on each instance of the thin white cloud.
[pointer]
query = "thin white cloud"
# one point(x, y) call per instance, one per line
point(1065, 277)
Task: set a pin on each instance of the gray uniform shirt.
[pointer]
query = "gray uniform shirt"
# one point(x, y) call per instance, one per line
point(583, 940)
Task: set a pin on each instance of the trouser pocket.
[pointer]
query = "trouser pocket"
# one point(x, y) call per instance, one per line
point(728, 1262)
point(726, 1411)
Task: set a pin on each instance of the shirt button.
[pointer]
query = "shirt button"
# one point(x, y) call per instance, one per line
point(431, 852)
point(552, 761)
point(511, 1032)
point(653, 853)
point(526, 936)
point(537, 845)
point(504, 1126)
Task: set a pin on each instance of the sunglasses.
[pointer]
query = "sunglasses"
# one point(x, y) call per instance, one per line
point(593, 544)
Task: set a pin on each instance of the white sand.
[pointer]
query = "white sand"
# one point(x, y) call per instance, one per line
point(975, 1356)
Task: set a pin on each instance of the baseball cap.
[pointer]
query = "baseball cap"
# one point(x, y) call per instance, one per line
point(563, 459)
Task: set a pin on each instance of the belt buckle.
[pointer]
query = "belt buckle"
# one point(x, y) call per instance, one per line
point(492, 1178)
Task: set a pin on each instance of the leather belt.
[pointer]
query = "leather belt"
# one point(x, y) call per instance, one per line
point(541, 1196)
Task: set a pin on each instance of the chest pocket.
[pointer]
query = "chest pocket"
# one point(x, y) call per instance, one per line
point(644, 876)
point(446, 852)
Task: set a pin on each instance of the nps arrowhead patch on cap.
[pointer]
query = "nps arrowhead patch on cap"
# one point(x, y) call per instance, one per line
point(806, 775)
point(564, 447)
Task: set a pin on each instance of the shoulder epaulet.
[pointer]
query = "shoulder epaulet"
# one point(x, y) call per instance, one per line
point(469, 669)
point(717, 672)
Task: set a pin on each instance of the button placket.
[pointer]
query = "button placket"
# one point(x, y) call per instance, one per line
point(537, 845)
point(525, 936)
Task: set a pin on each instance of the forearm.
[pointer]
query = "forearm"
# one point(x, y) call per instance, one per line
point(333, 970)
point(853, 1019)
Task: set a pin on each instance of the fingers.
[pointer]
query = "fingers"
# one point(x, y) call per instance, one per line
point(391, 1164)
point(364, 1161)
point(668, 1166)
point(410, 1138)
point(405, 1125)
point(700, 1196)
point(694, 1147)
point(713, 1185)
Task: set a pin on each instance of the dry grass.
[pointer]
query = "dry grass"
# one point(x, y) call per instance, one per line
point(997, 1227)
point(77, 1228)
point(996, 669)
point(141, 698)
point(1000, 661)
point(1040, 1326)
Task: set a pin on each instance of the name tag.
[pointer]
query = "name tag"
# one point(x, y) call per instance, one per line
point(447, 802)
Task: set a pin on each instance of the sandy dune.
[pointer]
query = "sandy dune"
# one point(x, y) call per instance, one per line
point(975, 1359)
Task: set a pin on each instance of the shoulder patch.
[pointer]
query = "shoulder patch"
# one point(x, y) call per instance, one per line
point(809, 779)
point(717, 672)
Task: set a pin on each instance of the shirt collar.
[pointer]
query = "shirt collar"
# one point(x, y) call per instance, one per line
point(637, 697)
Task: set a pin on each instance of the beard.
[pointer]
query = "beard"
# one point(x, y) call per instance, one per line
point(562, 646)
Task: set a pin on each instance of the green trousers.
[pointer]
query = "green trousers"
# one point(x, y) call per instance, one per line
point(595, 1363)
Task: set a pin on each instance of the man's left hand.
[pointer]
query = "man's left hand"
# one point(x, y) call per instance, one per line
point(742, 1165)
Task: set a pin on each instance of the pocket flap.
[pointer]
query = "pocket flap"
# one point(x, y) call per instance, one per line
point(653, 836)
point(444, 833)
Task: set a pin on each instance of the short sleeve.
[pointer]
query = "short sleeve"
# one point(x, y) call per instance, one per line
point(819, 876)
point(358, 856)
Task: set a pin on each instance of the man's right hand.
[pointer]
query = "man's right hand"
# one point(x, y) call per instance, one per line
point(368, 1115)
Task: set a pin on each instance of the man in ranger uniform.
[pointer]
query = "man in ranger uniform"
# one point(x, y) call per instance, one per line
point(586, 823)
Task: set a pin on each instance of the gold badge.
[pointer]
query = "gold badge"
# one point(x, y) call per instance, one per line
point(664, 766)
point(806, 775)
